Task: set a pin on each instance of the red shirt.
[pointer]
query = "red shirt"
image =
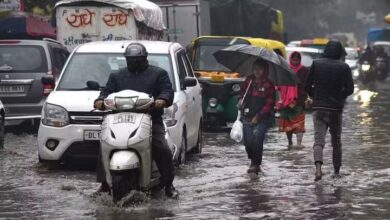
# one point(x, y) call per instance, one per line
point(262, 89)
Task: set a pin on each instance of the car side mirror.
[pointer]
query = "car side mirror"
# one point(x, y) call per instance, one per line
point(48, 80)
point(93, 85)
point(190, 82)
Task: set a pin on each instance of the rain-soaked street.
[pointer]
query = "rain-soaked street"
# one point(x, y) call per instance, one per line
point(215, 185)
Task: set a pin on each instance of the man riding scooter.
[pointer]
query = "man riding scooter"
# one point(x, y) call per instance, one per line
point(142, 77)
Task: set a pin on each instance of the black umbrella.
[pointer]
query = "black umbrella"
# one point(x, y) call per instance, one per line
point(240, 58)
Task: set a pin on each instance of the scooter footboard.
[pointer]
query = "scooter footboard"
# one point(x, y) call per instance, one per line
point(124, 160)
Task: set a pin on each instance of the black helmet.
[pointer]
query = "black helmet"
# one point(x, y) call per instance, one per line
point(136, 50)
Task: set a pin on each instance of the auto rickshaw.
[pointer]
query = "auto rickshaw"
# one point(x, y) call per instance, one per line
point(221, 87)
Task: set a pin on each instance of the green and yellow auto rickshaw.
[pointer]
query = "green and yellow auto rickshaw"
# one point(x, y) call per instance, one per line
point(221, 87)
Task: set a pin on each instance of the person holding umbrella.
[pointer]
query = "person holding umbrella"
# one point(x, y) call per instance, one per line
point(257, 105)
point(264, 69)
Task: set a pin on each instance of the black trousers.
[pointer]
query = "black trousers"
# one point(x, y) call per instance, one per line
point(161, 153)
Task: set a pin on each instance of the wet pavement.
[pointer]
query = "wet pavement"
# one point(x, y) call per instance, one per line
point(214, 185)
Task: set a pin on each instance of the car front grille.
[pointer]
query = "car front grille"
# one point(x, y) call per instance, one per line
point(86, 118)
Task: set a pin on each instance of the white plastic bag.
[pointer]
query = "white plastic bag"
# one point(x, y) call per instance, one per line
point(236, 134)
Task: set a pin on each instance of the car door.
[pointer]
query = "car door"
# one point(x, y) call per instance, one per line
point(192, 118)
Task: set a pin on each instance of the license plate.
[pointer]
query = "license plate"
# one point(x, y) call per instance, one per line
point(91, 135)
point(12, 89)
point(124, 118)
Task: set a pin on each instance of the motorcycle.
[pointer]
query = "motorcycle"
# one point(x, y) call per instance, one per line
point(366, 72)
point(126, 141)
point(381, 68)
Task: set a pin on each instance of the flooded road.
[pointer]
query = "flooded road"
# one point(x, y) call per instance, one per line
point(214, 185)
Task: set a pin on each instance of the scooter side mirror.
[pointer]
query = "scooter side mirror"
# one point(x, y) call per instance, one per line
point(190, 82)
point(93, 85)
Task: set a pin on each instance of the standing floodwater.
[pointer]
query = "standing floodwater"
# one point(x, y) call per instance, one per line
point(215, 185)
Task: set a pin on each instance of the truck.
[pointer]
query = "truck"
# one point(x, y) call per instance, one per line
point(187, 19)
point(81, 21)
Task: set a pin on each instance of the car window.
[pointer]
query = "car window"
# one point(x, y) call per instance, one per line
point(58, 61)
point(23, 58)
point(182, 68)
point(187, 65)
point(97, 67)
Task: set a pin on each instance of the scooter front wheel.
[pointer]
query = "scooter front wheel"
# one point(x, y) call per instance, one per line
point(122, 184)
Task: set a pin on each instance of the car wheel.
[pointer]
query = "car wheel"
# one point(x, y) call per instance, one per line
point(199, 143)
point(2, 131)
point(183, 149)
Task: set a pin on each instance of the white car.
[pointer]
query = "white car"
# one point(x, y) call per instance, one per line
point(69, 128)
point(352, 57)
point(308, 54)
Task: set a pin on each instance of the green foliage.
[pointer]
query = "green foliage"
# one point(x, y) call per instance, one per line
point(40, 7)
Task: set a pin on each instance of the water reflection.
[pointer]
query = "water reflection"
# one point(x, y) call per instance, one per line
point(364, 97)
point(329, 202)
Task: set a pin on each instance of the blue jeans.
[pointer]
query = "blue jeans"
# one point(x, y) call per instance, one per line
point(254, 136)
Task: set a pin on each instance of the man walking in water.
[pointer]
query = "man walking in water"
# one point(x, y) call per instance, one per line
point(329, 84)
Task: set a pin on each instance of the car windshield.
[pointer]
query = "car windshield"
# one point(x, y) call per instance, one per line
point(204, 59)
point(97, 67)
point(22, 59)
point(352, 54)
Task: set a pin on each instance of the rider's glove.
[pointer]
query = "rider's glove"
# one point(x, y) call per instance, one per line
point(160, 103)
point(99, 104)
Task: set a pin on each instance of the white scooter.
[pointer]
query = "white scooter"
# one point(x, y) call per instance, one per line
point(126, 142)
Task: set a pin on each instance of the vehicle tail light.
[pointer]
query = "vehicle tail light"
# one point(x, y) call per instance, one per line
point(47, 88)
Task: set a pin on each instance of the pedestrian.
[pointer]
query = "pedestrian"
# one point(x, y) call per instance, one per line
point(292, 108)
point(155, 81)
point(329, 84)
point(257, 95)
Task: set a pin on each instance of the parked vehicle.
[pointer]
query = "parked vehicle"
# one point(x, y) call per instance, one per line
point(79, 22)
point(221, 87)
point(22, 65)
point(69, 129)
point(308, 54)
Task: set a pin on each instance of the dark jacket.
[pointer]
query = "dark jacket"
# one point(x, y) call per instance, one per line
point(330, 80)
point(154, 81)
point(302, 74)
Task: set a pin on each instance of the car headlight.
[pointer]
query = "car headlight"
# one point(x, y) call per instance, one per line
point(169, 115)
point(213, 102)
point(356, 73)
point(54, 115)
point(236, 87)
point(365, 67)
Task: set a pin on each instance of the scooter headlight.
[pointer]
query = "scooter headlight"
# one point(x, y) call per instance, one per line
point(236, 87)
point(366, 67)
point(213, 102)
point(125, 103)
